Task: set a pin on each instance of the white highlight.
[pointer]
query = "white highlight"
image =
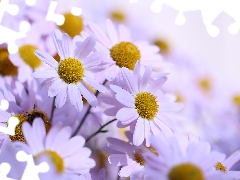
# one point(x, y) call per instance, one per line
point(4, 170)
point(13, 9)
point(31, 171)
point(51, 16)
point(30, 2)
point(76, 11)
point(24, 26)
point(10, 129)
point(4, 105)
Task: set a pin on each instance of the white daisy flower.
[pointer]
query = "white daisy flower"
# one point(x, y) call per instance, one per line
point(74, 72)
point(123, 52)
point(145, 107)
point(67, 162)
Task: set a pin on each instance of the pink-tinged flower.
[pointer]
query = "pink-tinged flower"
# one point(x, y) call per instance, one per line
point(129, 156)
point(89, 176)
point(75, 71)
point(191, 161)
point(146, 109)
point(67, 155)
point(123, 52)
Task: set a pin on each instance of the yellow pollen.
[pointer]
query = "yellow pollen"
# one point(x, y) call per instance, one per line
point(185, 171)
point(26, 52)
point(146, 105)
point(73, 25)
point(56, 159)
point(6, 66)
point(71, 70)
point(163, 45)
point(205, 84)
point(125, 54)
point(18, 130)
point(139, 159)
point(236, 100)
point(118, 16)
point(219, 166)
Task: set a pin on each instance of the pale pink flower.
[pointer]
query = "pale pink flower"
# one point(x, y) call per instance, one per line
point(146, 109)
point(74, 72)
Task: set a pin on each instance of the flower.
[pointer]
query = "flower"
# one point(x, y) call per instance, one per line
point(193, 161)
point(55, 145)
point(74, 72)
point(122, 51)
point(129, 156)
point(146, 108)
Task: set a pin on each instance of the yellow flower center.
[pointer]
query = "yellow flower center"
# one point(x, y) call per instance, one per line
point(56, 159)
point(26, 52)
point(71, 70)
point(236, 100)
point(118, 16)
point(205, 84)
point(125, 54)
point(219, 166)
point(185, 171)
point(6, 66)
point(163, 45)
point(146, 105)
point(73, 25)
point(29, 117)
point(18, 130)
point(139, 159)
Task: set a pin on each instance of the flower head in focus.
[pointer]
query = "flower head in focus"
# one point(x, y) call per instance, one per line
point(145, 107)
point(74, 72)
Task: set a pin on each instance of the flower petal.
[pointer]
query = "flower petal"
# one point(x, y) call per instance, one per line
point(48, 73)
point(88, 95)
point(112, 33)
point(61, 96)
point(138, 135)
point(85, 48)
point(47, 58)
point(96, 85)
point(55, 88)
point(57, 36)
point(127, 115)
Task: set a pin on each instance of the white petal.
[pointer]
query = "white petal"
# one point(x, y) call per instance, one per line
point(124, 33)
point(138, 135)
point(128, 78)
point(57, 36)
point(45, 74)
point(61, 96)
point(112, 33)
point(95, 58)
point(55, 88)
point(88, 95)
point(75, 96)
point(146, 78)
point(65, 44)
point(47, 58)
point(127, 115)
point(85, 48)
point(95, 85)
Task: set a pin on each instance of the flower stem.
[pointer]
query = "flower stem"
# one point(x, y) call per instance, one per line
point(100, 130)
point(53, 108)
point(86, 114)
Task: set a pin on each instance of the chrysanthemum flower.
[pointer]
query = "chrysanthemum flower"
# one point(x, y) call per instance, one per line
point(193, 161)
point(129, 156)
point(74, 72)
point(146, 108)
point(67, 155)
point(123, 52)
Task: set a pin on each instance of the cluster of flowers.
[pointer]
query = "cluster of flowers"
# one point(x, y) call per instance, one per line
point(68, 83)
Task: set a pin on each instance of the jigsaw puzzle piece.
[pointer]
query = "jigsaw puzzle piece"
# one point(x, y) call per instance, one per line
point(8, 155)
point(4, 170)
point(31, 171)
